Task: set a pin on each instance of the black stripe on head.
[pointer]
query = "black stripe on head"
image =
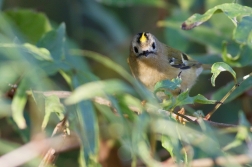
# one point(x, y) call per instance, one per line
point(185, 56)
point(139, 36)
point(142, 37)
point(145, 34)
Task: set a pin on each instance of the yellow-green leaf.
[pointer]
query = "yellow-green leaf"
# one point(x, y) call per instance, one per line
point(217, 68)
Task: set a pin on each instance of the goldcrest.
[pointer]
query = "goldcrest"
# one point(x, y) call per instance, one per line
point(151, 61)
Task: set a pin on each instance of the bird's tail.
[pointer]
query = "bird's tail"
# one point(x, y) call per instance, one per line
point(206, 66)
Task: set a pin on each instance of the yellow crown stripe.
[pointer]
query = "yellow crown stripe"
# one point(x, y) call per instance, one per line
point(143, 38)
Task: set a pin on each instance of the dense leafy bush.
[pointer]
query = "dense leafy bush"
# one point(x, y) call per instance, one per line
point(49, 88)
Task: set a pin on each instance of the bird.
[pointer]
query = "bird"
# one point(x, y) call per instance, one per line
point(151, 61)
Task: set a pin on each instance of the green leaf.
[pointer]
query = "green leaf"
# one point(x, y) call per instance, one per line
point(219, 22)
point(88, 133)
point(141, 145)
point(54, 41)
point(98, 88)
point(30, 23)
point(242, 134)
point(214, 39)
point(38, 53)
point(184, 99)
point(86, 126)
point(52, 105)
point(127, 100)
point(202, 100)
point(18, 104)
point(9, 72)
point(167, 84)
point(5, 110)
point(231, 10)
point(233, 144)
point(167, 144)
point(243, 32)
point(236, 55)
point(217, 68)
point(245, 86)
point(156, 3)
point(186, 134)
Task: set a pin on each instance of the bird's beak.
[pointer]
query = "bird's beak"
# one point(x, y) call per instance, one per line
point(145, 53)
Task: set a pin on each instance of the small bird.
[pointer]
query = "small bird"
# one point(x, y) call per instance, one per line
point(151, 61)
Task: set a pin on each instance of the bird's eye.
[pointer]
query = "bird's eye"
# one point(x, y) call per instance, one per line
point(135, 49)
point(153, 45)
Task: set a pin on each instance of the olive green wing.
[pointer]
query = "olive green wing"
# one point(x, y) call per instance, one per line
point(179, 59)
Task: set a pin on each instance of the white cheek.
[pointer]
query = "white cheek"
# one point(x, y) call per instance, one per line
point(199, 71)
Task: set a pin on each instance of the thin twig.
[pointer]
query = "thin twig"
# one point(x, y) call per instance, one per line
point(51, 154)
point(226, 96)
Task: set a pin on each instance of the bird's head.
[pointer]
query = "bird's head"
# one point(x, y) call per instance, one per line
point(144, 44)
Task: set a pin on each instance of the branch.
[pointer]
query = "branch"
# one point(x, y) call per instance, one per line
point(207, 117)
point(103, 101)
point(208, 162)
point(36, 148)
point(50, 156)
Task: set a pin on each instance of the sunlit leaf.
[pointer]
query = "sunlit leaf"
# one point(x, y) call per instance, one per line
point(18, 104)
point(52, 105)
point(166, 143)
point(219, 22)
point(233, 144)
point(126, 101)
point(202, 100)
point(30, 23)
point(187, 134)
point(38, 53)
point(242, 134)
point(217, 68)
point(98, 88)
point(184, 98)
point(231, 10)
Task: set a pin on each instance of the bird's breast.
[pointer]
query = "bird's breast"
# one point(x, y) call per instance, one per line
point(149, 72)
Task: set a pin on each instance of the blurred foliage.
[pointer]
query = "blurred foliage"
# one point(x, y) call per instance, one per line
point(82, 46)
